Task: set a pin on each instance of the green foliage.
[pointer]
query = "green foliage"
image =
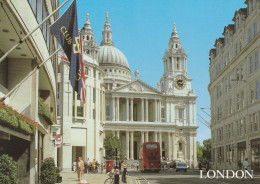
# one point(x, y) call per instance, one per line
point(206, 149)
point(111, 142)
point(7, 170)
point(44, 111)
point(49, 173)
point(199, 150)
point(14, 120)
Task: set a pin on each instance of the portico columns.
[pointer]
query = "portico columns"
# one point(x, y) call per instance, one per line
point(146, 136)
point(142, 109)
point(146, 110)
point(159, 111)
point(117, 108)
point(160, 141)
point(142, 138)
point(113, 109)
point(155, 110)
point(132, 145)
point(155, 137)
point(127, 145)
point(173, 143)
point(169, 145)
point(131, 109)
point(117, 133)
point(127, 109)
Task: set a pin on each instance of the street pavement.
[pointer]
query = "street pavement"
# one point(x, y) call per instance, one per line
point(71, 178)
point(164, 177)
point(192, 176)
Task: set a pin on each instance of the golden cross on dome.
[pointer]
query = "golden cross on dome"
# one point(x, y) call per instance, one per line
point(174, 26)
point(107, 13)
point(87, 15)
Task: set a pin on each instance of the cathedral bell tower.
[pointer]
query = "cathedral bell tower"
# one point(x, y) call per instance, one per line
point(175, 78)
point(90, 46)
point(107, 33)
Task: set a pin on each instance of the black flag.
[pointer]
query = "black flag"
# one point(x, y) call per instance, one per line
point(65, 29)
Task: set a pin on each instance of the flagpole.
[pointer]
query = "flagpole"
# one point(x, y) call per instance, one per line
point(29, 34)
point(32, 72)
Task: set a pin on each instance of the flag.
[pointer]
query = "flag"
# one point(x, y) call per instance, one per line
point(65, 29)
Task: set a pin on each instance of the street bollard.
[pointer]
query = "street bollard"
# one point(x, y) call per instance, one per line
point(116, 181)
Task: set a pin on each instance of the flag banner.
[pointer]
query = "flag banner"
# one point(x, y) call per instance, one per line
point(65, 29)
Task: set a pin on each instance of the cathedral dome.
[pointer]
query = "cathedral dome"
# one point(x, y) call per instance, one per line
point(111, 55)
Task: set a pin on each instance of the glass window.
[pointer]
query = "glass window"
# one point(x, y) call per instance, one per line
point(257, 90)
point(94, 95)
point(249, 35)
point(251, 64)
point(255, 29)
point(151, 146)
point(80, 111)
point(256, 60)
point(33, 5)
point(44, 14)
point(39, 11)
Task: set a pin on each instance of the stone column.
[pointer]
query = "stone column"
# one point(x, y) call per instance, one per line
point(127, 109)
point(160, 141)
point(131, 109)
point(173, 143)
point(146, 136)
point(155, 110)
point(117, 109)
point(159, 111)
point(113, 109)
point(142, 109)
point(169, 145)
point(127, 145)
point(118, 134)
point(155, 137)
point(146, 110)
point(132, 145)
point(142, 138)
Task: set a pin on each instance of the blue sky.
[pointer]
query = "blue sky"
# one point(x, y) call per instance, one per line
point(141, 30)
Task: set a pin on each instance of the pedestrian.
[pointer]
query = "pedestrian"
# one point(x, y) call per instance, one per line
point(102, 167)
point(124, 165)
point(137, 166)
point(80, 168)
point(94, 166)
point(88, 165)
point(245, 164)
point(207, 166)
point(74, 166)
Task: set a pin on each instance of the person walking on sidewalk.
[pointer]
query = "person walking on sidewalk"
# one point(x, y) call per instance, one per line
point(80, 168)
point(124, 166)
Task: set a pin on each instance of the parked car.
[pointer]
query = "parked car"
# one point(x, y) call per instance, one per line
point(181, 166)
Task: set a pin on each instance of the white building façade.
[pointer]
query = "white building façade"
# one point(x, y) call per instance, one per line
point(133, 110)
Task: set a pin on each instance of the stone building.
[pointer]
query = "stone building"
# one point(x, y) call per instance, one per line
point(234, 91)
point(130, 108)
point(18, 138)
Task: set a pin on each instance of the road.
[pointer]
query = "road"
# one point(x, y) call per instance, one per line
point(190, 177)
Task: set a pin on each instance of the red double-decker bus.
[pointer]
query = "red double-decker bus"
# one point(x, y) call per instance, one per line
point(149, 157)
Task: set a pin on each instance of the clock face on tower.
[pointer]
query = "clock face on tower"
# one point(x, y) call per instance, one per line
point(180, 82)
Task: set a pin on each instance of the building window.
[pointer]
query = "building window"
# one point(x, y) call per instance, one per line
point(256, 60)
point(257, 90)
point(80, 111)
point(249, 35)
point(251, 65)
point(33, 5)
point(94, 95)
point(181, 114)
point(255, 29)
point(39, 11)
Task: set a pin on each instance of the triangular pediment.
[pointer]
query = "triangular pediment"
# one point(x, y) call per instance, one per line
point(137, 86)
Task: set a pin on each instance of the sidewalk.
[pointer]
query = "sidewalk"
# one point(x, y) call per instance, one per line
point(71, 178)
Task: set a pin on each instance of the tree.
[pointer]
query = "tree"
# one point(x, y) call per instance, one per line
point(111, 143)
point(49, 173)
point(199, 150)
point(7, 170)
point(206, 149)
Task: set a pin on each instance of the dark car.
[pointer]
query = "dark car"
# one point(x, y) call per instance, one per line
point(181, 166)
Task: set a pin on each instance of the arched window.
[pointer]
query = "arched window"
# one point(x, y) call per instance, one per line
point(87, 38)
point(180, 146)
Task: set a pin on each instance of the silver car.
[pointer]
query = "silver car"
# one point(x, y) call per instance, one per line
point(181, 166)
